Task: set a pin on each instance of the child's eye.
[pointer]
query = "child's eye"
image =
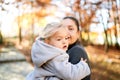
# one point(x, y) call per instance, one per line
point(58, 39)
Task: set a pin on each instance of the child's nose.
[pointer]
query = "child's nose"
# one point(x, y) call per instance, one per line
point(65, 41)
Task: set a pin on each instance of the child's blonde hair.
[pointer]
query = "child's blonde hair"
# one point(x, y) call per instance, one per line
point(50, 29)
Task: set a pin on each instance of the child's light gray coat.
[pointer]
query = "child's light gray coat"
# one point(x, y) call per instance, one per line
point(51, 63)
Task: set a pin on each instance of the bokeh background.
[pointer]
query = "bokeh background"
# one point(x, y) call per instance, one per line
point(21, 21)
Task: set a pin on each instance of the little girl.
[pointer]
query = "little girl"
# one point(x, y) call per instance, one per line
point(50, 58)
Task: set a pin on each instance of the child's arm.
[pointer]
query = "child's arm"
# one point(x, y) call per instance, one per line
point(67, 71)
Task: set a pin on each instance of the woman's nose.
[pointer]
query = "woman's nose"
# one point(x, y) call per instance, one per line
point(68, 34)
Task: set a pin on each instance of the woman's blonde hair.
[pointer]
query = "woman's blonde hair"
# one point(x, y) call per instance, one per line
point(50, 29)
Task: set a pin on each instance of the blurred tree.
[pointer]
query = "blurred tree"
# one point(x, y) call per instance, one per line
point(2, 9)
point(39, 9)
point(114, 17)
point(26, 7)
point(43, 2)
point(106, 44)
point(1, 37)
point(88, 10)
point(116, 21)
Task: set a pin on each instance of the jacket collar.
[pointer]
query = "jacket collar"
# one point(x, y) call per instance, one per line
point(75, 43)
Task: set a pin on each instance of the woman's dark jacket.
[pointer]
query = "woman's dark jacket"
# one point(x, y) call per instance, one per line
point(76, 52)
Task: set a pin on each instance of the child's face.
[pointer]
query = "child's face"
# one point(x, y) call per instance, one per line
point(59, 39)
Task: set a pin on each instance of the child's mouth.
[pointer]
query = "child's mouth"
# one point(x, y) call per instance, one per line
point(65, 47)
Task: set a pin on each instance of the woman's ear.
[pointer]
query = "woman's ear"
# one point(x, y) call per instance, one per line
point(78, 32)
point(46, 41)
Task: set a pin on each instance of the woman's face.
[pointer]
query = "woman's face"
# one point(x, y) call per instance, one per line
point(72, 28)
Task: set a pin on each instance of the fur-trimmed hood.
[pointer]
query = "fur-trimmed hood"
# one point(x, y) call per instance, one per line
point(42, 52)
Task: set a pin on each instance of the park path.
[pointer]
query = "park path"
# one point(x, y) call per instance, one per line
point(13, 65)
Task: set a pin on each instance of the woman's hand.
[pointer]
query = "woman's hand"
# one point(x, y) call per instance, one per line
point(85, 60)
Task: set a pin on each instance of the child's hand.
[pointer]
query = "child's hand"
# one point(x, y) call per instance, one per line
point(85, 60)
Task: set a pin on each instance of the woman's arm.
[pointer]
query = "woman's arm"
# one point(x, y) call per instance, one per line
point(75, 54)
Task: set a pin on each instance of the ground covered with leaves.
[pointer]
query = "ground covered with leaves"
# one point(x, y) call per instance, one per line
point(105, 66)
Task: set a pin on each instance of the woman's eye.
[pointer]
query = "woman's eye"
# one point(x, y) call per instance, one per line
point(70, 28)
point(67, 38)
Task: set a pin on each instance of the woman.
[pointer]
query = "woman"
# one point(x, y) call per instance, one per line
point(75, 49)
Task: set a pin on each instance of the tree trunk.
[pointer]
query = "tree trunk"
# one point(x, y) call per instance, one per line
point(19, 34)
point(1, 38)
